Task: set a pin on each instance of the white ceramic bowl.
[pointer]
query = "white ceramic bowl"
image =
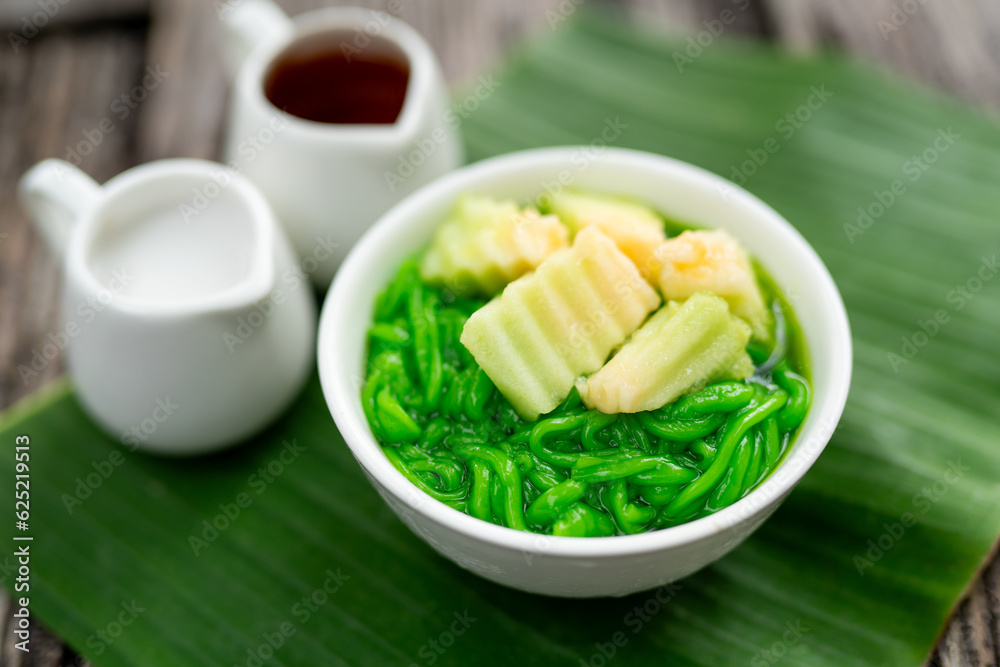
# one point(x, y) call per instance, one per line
point(577, 566)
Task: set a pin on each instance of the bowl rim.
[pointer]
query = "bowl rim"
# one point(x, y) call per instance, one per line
point(339, 390)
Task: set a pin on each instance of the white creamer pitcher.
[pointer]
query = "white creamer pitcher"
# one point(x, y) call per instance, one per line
point(188, 326)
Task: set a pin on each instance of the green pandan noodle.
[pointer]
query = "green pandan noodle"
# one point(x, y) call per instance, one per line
point(573, 471)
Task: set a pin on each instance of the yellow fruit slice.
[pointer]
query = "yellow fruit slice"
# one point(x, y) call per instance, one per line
point(486, 243)
point(562, 321)
point(680, 348)
point(713, 261)
point(636, 229)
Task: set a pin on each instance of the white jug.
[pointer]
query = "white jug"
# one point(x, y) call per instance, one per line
point(187, 326)
point(329, 182)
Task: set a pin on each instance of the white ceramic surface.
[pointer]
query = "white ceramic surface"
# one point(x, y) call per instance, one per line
point(327, 182)
point(186, 329)
point(567, 566)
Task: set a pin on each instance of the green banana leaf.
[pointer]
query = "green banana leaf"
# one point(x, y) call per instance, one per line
point(280, 552)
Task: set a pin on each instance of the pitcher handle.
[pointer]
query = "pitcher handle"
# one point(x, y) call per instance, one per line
point(55, 193)
point(247, 23)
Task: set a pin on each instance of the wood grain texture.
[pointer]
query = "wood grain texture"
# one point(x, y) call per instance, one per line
point(57, 109)
point(952, 45)
point(61, 83)
point(55, 95)
point(23, 17)
point(183, 116)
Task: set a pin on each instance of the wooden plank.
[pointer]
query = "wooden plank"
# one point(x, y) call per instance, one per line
point(183, 117)
point(972, 636)
point(952, 45)
point(722, 18)
point(25, 17)
point(63, 86)
point(66, 86)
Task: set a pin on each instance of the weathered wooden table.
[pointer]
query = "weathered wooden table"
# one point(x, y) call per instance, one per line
point(64, 63)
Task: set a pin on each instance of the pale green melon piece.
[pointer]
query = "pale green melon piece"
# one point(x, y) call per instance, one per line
point(560, 322)
point(559, 305)
point(678, 349)
point(743, 367)
point(486, 243)
point(636, 229)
